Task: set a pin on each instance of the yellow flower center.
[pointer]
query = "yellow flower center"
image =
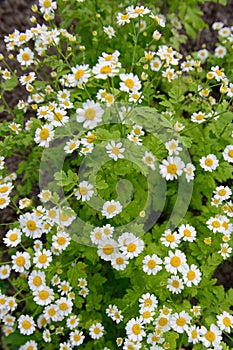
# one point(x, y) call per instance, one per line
point(83, 191)
point(63, 306)
point(72, 145)
point(37, 281)
point(47, 3)
point(187, 233)
point(210, 336)
point(129, 83)
point(175, 284)
point(108, 249)
point(111, 208)
point(191, 275)
point(77, 337)
point(90, 114)
point(119, 261)
point(151, 264)
point(136, 329)
point(172, 168)
point(105, 70)
point(52, 311)
point(20, 261)
point(199, 116)
point(170, 238)
point(230, 153)
point(163, 321)
point(209, 162)
point(131, 247)
point(4, 189)
point(31, 225)
point(42, 258)
point(2, 201)
point(216, 224)
point(13, 237)
point(115, 150)
point(43, 294)
point(147, 302)
point(79, 74)
point(44, 134)
point(175, 261)
point(26, 324)
point(58, 117)
point(25, 56)
point(125, 17)
point(96, 330)
point(61, 240)
point(226, 322)
point(181, 321)
point(194, 334)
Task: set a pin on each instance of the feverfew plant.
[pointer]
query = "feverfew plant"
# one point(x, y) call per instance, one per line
point(123, 185)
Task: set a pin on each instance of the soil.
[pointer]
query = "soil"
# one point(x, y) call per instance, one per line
point(17, 13)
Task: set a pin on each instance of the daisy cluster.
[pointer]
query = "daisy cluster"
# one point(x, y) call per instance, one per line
point(127, 290)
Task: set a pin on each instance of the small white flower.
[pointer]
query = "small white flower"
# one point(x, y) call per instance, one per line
point(209, 162)
point(111, 209)
point(96, 331)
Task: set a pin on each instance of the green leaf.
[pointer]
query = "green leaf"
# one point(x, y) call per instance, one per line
point(10, 84)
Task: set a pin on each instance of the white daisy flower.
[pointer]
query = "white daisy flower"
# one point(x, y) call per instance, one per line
point(72, 322)
point(132, 247)
point(64, 306)
point(26, 325)
point(211, 337)
point(25, 56)
point(189, 171)
point(29, 345)
point(151, 264)
point(170, 239)
point(43, 295)
point(115, 150)
point(180, 321)
point(135, 329)
point(225, 321)
point(202, 54)
point(175, 262)
point(119, 261)
point(173, 147)
point(42, 259)
point(111, 209)
point(90, 115)
point(171, 168)
point(109, 31)
point(47, 6)
point(187, 232)
point(76, 338)
point(225, 250)
point(96, 331)
point(107, 248)
point(148, 301)
point(209, 162)
point(104, 69)
point(228, 153)
point(220, 51)
point(129, 82)
point(175, 284)
point(21, 261)
point(162, 323)
point(80, 75)
point(61, 240)
point(84, 192)
point(12, 238)
point(193, 333)
point(198, 117)
point(192, 275)
point(44, 135)
point(36, 280)
point(5, 271)
point(149, 160)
